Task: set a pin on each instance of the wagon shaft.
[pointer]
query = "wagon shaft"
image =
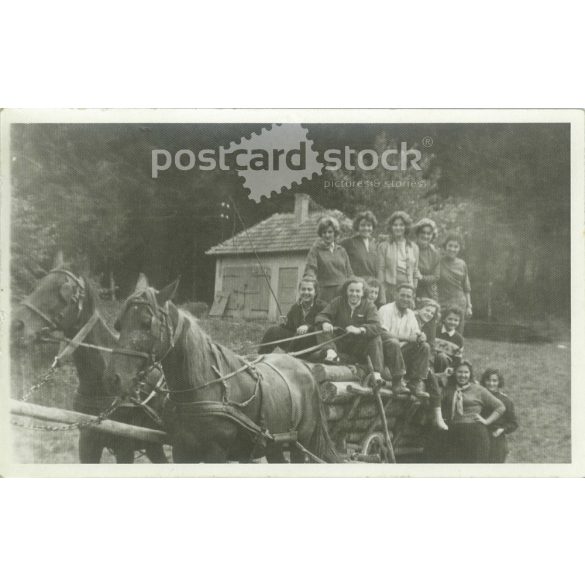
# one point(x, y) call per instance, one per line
point(59, 415)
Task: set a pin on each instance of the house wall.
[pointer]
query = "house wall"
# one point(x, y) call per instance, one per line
point(251, 298)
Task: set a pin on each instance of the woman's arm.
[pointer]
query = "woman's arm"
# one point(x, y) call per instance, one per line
point(348, 268)
point(381, 261)
point(511, 422)
point(467, 291)
point(491, 402)
point(312, 263)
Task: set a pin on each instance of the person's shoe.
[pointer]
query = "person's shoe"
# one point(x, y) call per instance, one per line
point(399, 387)
point(331, 357)
point(418, 389)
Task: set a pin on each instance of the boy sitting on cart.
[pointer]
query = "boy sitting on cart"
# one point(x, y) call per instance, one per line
point(358, 317)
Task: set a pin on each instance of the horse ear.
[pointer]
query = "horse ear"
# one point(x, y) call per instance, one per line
point(168, 292)
point(58, 261)
point(141, 283)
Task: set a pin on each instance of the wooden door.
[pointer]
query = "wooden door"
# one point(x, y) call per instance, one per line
point(287, 287)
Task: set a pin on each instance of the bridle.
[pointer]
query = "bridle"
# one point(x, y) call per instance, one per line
point(77, 299)
point(160, 322)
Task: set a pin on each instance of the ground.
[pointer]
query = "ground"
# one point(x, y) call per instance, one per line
point(537, 379)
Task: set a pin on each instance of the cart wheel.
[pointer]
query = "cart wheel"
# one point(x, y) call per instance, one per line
point(374, 444)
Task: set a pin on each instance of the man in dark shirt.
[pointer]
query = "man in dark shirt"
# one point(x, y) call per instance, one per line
point(300, 320)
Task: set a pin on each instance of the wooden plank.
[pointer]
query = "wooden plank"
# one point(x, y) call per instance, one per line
point(112, 427)
point(219, 304)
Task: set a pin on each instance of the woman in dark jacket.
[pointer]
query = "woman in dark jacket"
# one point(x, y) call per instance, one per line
point(327, 261)
point(425, 231)
point(300, 320)
point(353, 312)
point(362, 249)
point(493, 380)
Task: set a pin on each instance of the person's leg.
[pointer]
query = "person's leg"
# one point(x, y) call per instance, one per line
point(498, 449)
point(441, 362)
point(275, 334)
point(435, 399)
point(393, 359)
point(416, 357)
point(477, 443)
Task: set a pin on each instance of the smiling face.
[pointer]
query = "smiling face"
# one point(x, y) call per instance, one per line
point(328, 236)
point(398, 228)
point(462, 375)
point(306, 292)
point(451, 322)
point(492, 382)
point(355, 293)
point(452, 249)
point(425, 236)
point(404, 298)
point(373, 292)
point(365, 228)
point(427, 313)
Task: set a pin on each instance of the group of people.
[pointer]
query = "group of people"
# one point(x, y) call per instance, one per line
point(402, 304)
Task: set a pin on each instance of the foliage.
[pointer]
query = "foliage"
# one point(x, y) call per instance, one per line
point(87, 190)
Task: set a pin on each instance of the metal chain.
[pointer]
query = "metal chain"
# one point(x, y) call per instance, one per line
point(73, 426)
point(36, 387)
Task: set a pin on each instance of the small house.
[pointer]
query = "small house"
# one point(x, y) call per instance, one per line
point(262, 265)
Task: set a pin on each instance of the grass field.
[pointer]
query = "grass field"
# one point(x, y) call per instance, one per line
point(537, 379)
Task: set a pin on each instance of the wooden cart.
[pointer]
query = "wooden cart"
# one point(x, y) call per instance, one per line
point(356, 424)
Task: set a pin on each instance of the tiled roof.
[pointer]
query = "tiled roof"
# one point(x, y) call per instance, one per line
point(279, 233)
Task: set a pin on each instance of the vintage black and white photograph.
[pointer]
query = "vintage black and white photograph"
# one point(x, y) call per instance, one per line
point(388, 292)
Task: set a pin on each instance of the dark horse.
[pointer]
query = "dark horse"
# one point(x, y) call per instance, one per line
point(65, 302)
point(220, 407)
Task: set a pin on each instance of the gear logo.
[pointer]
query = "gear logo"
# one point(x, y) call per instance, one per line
point(275, 159)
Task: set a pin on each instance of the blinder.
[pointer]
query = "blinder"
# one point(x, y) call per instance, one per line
point(155, 327)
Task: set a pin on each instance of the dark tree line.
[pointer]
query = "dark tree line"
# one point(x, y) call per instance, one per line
point(87, 190)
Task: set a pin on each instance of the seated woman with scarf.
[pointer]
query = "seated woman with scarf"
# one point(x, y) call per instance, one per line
point(352, 312)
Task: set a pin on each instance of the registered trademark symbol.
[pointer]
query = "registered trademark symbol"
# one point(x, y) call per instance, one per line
point(427, 141)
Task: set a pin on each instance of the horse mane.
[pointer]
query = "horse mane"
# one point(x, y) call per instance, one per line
point(198, 350)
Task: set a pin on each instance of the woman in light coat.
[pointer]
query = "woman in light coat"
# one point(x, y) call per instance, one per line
point(398, 256)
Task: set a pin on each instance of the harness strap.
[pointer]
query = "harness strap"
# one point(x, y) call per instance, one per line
point(246, 366)
point(318, 346)
point(40, 313)
point(75, 343)
point(209, 408)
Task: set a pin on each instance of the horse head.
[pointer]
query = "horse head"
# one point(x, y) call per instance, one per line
point(56, 304)
point(147, 325)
